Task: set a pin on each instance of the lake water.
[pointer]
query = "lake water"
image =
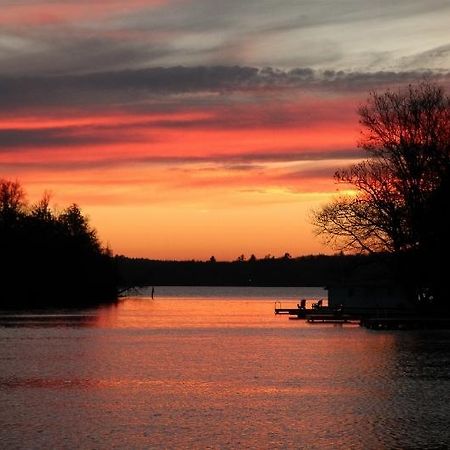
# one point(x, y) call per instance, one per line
point(215, 368)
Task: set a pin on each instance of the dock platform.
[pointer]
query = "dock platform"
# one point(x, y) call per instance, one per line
point(406, 323)
point(331, 317)
point(289, 311)
point(371, 318)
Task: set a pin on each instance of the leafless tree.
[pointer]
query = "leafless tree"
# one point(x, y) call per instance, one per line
point(406, 134)
point(12, 197)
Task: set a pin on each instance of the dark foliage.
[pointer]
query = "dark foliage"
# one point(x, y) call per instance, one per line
point(401, 199)
point(317, 270)
point(50, 259)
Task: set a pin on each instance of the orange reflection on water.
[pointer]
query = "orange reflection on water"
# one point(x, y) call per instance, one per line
point(143, 312)
point(219, 373)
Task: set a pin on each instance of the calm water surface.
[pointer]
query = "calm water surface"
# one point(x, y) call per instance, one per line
point(215, 368)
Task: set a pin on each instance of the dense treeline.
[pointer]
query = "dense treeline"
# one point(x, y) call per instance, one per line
point(317, 270)
point(50, 258)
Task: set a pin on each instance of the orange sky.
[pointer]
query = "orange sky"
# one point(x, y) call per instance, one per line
point(216, 179)
point(187, 129)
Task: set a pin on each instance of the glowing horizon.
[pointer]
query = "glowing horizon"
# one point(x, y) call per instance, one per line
point(190, 132)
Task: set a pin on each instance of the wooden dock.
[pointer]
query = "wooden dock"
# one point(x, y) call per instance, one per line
point(298, 312)
point(371, 318)
point(290, 311)
point(331, 317)
point(406, 323)
point(319, 314)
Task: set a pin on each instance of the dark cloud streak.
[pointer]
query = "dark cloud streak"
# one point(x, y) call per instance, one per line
point(128, 86)
point(58, 137)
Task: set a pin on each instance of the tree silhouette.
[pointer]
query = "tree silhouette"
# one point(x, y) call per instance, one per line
point(401, 189)
point(50, 259)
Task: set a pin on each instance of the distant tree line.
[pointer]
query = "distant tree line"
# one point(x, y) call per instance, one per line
point(50, 258)
point(314, 270)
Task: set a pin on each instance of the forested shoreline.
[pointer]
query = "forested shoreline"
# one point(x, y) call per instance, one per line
point(50, 258)
point(312, 270)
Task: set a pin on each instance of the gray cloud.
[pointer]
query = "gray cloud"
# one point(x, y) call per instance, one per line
point(254, 17)
point(47, 138)
point(135, 86)
point(428, 58)
point(287, 33)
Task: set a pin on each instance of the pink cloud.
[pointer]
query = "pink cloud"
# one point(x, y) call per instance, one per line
point(61, 13)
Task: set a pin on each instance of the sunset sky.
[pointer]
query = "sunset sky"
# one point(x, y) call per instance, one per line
point(191, 128)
